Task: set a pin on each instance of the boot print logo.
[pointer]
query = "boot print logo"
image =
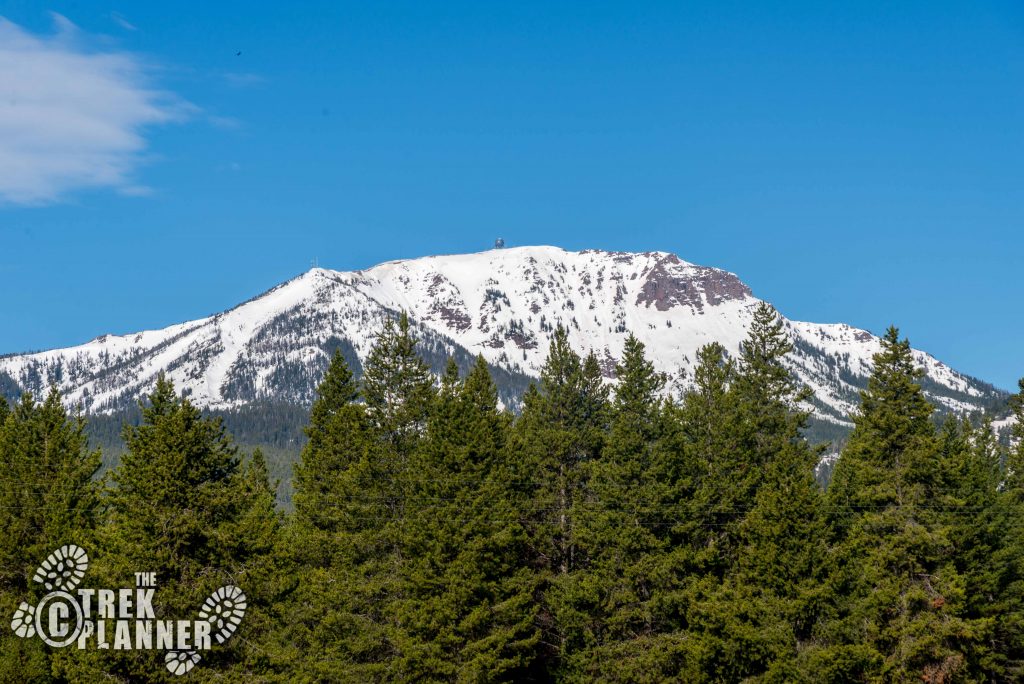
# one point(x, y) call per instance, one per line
point(121, 619)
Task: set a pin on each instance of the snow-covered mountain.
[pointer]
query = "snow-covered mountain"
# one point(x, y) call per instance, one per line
point(503, 303)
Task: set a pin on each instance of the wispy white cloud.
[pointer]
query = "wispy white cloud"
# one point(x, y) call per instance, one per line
point(73, 116)
point(120, 20)
point(135, 190)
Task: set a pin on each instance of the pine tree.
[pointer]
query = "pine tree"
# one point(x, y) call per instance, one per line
point(777, 460)
point(760, 538)
point(50, 498)
point(693, 621)
point(616, 610)
point(336, 393)
point(769, 401)
point(252, 539)
point(397, 387)
point(1015, 455)
point(339, 436)
point(763, 373)
point(562, 427)
point(710, 417)
point(184, 506)
point(782, 536)
point(355, 492)
point(901, 600)
point(337, 610)
point(1002, 590)
point(978, 532)
point(467, 611)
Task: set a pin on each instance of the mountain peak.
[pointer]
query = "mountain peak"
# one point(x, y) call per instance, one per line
point(502, 303)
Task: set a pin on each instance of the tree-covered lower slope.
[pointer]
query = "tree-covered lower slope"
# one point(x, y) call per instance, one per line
point(605, 535)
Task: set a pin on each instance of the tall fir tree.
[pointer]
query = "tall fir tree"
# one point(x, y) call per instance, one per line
point(50, 498)
point(711, 420)
point(1015, 454)
point(901, 610)
point(253, 540)
point(616, 614)
point(562, 427)
point(762, 420)
point(338, 610)
point(1002, 593)
point(759, 506)
point(338, 439)
point(185, 506)
point(355, 492)
point(397, 387)
point(979, 531)
point(778, 570)
point(337, 393)
point(468, 610)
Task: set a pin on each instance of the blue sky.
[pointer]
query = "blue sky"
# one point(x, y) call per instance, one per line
point(858, 162)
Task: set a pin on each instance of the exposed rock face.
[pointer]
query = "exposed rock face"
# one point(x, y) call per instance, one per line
point(671, 283)
point(447, 304)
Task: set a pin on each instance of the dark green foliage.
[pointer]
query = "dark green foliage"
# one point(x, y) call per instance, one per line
point(778, 569)
point(1000, 587)
point(561, 430)
point(48, 498)
point(397, 388)
point(467, 612)
point(898, 590)
point(336, 393)
point(1015, 455)
point(337, 540)
point(183, 504)
point(628, 538)
point(615, 617)
point(756, 539)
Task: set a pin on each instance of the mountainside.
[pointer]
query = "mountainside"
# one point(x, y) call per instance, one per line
point(504, 304)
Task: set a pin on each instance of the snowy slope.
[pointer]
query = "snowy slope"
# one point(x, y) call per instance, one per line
point(1004, 427)
point(504, 304)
